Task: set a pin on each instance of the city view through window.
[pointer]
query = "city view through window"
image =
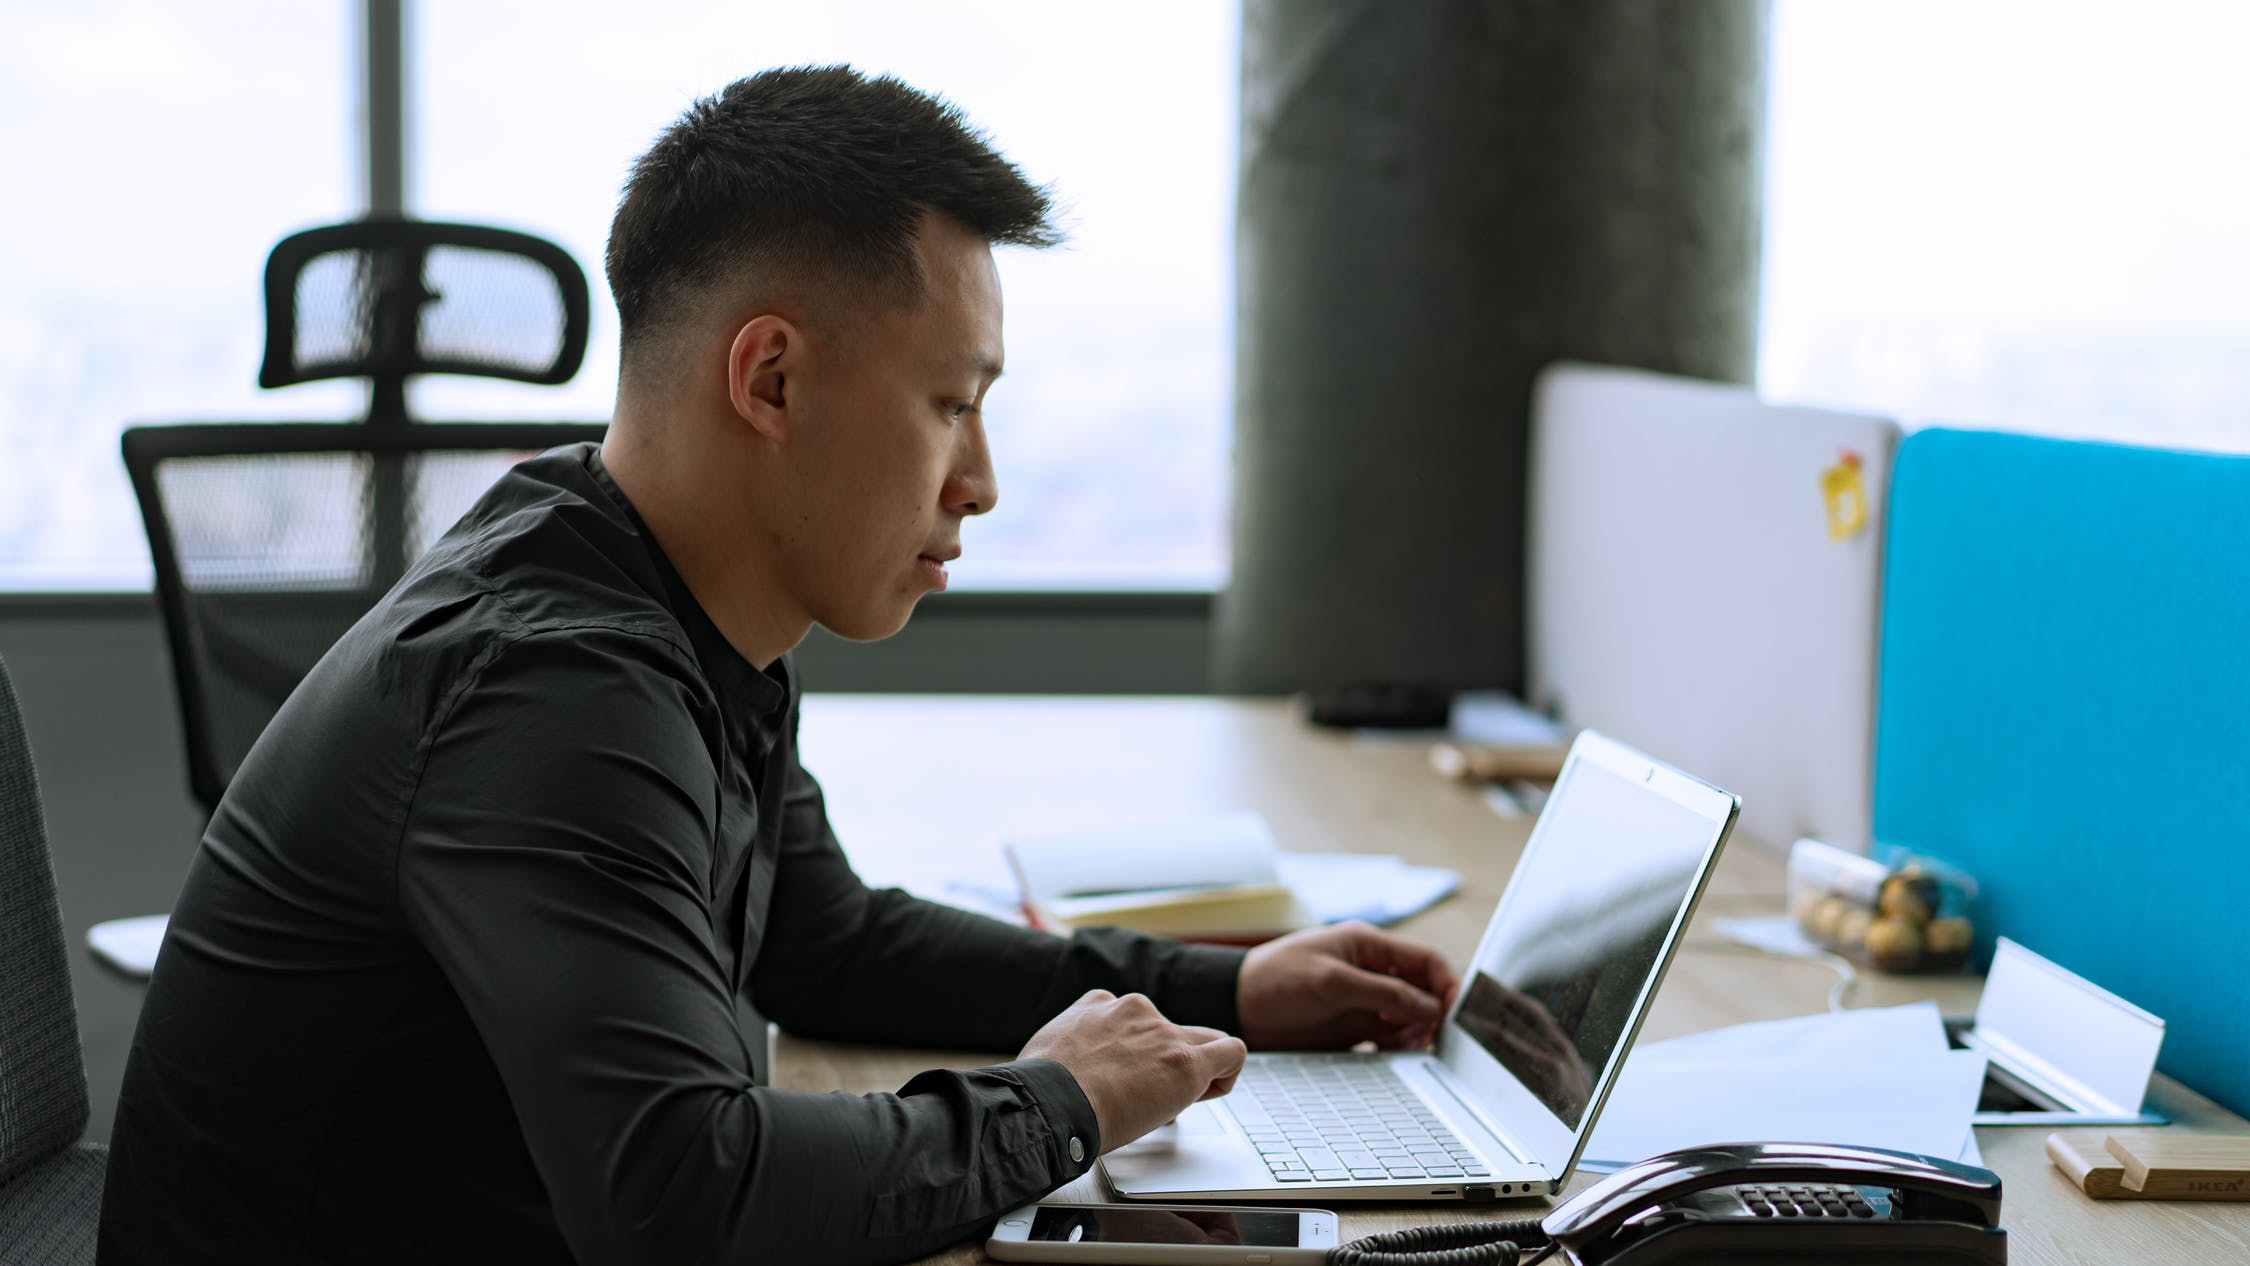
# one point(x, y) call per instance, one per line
point(1959, 229)
point(2015, 214)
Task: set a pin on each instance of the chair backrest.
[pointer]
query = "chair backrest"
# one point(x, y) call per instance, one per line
point(1704, 578)
point(270, 540)
point(42, 1074)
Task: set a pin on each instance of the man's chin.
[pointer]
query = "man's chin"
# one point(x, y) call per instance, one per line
point(871, 626)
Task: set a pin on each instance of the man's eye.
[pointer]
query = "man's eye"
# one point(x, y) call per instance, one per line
point(957, 411)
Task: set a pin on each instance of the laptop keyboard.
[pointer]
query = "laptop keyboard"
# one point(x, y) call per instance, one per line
point(1335, 1120)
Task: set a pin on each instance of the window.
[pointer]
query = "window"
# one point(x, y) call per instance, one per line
point(156, 152)
point(1109, 430)
point(2023, 215)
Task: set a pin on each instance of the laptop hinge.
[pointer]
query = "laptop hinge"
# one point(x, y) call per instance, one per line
point(1443, 1077)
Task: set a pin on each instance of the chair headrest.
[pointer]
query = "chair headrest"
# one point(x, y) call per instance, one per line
point(383, 298)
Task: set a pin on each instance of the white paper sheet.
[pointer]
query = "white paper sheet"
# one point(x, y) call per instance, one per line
point(1378, 888)
point(1776, 932)
point(1826, 1038)
point(1881, 1077)
point(1971, 1154)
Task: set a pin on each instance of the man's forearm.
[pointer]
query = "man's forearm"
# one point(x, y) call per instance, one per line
point(920, 973)
point(763, 1175)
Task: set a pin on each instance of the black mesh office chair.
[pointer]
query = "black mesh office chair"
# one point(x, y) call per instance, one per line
point(50, 1183)
point(271, 539)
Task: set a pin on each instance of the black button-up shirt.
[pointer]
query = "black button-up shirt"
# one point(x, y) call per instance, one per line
point(475, 958)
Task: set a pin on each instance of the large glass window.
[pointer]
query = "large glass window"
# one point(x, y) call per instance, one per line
point(2014, 213)
point(155, 152)
point(1109, 430)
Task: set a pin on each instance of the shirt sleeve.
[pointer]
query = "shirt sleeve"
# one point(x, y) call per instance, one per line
point(846, 962)
point(555, 862)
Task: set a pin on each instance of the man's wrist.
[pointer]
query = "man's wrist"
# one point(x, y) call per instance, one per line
point(1202, 984)
point(1072, 1127)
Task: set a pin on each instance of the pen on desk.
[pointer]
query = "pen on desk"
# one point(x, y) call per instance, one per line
point(1531, 795)
point(1501, 800)
point(1506, 777)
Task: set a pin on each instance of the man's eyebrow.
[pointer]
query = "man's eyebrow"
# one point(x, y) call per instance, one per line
point(989, 366)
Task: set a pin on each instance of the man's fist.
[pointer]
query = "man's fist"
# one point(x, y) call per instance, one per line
point(1137, 1068)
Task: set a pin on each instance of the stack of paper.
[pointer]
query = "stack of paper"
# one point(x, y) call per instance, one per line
point(1882, 1077)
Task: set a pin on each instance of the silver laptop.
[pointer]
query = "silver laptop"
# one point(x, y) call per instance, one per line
point(1504, 1104)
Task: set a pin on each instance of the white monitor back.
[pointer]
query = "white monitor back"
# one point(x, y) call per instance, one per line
point(1686, 593)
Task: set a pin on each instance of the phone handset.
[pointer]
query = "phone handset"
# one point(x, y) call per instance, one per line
point(1656, 1192)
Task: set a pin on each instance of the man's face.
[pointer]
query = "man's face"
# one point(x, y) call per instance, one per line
point(888, 450)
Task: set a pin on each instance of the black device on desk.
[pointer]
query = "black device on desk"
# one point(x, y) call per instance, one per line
point(1784, 1202)
point(1803, 1204)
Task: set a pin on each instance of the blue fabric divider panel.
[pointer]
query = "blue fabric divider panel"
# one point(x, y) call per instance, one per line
point(2064, 710)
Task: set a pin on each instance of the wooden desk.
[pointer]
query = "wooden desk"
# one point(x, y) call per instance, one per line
point(917, 784)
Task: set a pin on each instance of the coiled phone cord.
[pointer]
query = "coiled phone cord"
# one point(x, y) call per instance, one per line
point(1461, 1244)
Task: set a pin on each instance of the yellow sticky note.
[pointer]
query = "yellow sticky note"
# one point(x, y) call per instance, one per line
point(1846, 496)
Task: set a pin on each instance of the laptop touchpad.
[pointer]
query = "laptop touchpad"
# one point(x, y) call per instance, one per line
point(1198, 1118)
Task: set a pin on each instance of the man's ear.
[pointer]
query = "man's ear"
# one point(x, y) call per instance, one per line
point(765, 351)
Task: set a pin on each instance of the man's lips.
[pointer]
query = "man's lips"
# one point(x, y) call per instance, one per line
point(933, 565)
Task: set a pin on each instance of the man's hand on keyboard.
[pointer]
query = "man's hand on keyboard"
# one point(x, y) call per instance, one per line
point(1333, 987)
point(1137, 1068)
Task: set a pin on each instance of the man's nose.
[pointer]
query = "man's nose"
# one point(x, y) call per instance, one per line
point(974, 489)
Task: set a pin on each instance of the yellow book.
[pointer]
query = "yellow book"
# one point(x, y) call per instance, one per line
point(1210, 879)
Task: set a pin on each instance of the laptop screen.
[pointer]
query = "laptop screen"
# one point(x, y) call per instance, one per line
point(1570, 951)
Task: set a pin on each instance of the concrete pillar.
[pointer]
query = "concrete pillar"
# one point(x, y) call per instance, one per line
point(1438, 197)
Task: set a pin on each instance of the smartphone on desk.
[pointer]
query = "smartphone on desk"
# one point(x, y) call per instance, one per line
point(1156, 1234)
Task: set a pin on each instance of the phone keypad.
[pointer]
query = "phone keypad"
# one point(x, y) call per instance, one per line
point(1805, 1200)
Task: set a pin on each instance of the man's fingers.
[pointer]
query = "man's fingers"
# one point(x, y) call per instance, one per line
point(1444, 982)
point(1226, 1055)
point(1412, 960)
point(1387, 952)
point(1222, 1087)
point(1418, 1035)
point(1222, 1060)
point(1395, 998)
point(1406, 1037)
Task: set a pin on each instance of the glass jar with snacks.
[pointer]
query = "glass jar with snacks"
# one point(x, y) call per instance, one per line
point(1900, 913)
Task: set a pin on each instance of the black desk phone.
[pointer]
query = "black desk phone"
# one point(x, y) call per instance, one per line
point(1784, 1202)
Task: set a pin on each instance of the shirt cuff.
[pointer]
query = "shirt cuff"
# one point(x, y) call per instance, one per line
point(1074, 1136)
point(1199, 987)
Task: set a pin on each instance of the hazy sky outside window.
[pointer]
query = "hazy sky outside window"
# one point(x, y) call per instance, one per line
point(1998, 213)
point(2021, 214)
point(155, 152)
point(1110, 429)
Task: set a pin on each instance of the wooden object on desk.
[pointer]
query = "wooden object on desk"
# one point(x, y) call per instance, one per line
point(1472, 763)
point(1015, 765)
point(2184, 1166)
point(2083, 1160)
point(2154, 1164)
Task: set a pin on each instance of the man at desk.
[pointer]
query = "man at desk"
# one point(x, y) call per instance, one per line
point(474, 961)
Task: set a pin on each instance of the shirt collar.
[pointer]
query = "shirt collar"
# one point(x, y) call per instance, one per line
point(770, 693)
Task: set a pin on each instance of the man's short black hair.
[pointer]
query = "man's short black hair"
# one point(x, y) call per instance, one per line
point(818, 174)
